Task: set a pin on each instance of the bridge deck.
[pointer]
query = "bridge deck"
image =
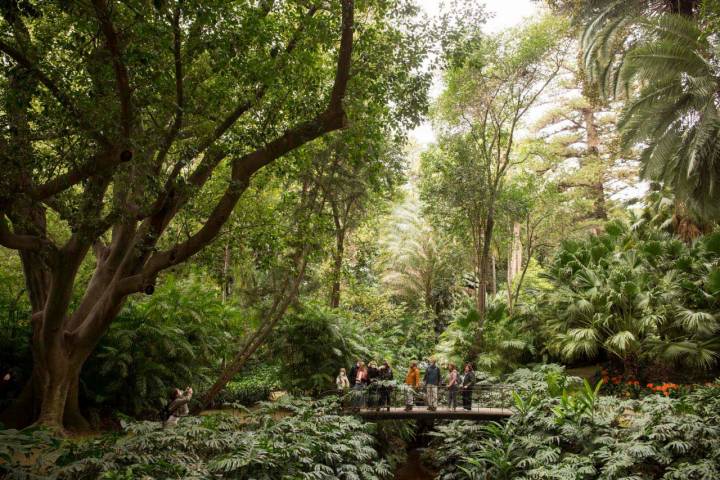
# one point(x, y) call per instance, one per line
point(399, 413)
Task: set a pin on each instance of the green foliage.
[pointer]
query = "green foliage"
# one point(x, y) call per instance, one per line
point(636, 294)
point(15, 331)
point(507, 342)
point(664, 65)
point(254, 384)
point(292, 439)
point(391, 330)
point(595, 437)
point(313, 343)
point(173, 339)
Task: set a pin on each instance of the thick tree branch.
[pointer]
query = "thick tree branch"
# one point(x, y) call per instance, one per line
point(121, 74)
point(97, 165)
point(15, 241)
point(243, 168)
point(179, 90)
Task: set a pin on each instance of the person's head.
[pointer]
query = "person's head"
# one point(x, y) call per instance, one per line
point(451, 367)
point(432, 361)
point(175, 393)
point(357, 363)
point(342, 371)
point(362, 366)
point(386, 364)
point(413, 364)
point(468, 367)
point(372, 364)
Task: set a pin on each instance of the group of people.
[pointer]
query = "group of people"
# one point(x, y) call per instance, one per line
point(367, 376)
point(376, 381)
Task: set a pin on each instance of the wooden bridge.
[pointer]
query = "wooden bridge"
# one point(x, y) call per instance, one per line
point(387, 401)
point(441, 413)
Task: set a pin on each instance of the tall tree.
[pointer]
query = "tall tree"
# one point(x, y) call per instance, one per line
point(117, 117)
point(489, 92)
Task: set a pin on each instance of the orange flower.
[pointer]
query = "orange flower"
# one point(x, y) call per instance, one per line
point(650, 385)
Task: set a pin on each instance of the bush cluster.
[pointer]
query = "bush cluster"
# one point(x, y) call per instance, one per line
point(574, 433)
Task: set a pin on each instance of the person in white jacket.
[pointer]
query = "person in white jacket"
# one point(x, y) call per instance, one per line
point(342, 382)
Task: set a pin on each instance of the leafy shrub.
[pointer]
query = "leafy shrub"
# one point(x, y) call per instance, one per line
point(314, 343)
point(506, 340)
point(252, 386)
point(604, 437)
point(15, 331)
point(173, 339)
point(638, 295)
point(292, 439)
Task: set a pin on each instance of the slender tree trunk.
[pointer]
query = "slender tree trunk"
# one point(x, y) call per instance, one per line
point(591, 131)
point(485, 271)
point(337, 267)
point(494, 276)
point(516, 252)
point(514, 263)
point(256, 339)
point(593, 149)
point(226, 273)
point(477, 261)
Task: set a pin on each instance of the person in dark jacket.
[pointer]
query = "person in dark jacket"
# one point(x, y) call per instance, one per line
point(432, 380)
point(373, 377)
point(386, 376)
point(353, 373)
point(467, 386)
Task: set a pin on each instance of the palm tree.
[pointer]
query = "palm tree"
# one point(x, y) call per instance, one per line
point(420, 268)
point(659, 58)
point(638, 295)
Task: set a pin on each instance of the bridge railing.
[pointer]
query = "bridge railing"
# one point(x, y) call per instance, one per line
point(383, 395)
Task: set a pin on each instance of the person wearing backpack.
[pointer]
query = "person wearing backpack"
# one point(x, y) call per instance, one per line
point(177, 407)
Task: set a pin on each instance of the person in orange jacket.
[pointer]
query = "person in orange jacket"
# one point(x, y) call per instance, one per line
point(412, 380)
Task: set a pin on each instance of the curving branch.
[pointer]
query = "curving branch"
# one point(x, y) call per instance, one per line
point(121, 74)
point(15, 241)
point(179, 90)
point(94, 166)
point(333, 118)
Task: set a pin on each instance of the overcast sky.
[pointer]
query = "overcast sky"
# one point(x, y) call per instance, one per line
point(506, 13)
